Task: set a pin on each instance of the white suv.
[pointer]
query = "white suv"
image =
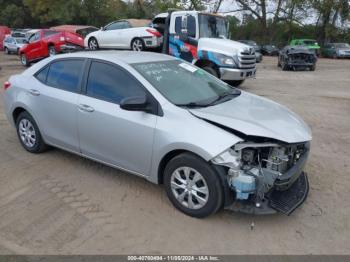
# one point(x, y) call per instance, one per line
point(132, 34)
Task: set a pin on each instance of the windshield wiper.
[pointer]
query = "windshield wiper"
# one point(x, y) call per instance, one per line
point(192, 105)
point(222, 96)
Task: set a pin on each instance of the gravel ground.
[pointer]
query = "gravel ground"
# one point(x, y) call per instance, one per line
point(59, 203)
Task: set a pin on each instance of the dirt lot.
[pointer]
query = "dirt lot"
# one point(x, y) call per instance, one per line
point(59, 203)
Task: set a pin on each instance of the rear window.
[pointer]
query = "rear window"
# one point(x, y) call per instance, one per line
point(42, 74)
point(65, 74)
point(49, 33)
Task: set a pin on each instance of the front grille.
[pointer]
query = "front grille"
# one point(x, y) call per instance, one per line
point(246, 60)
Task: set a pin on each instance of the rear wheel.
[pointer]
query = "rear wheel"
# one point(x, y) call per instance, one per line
point(93, 44)
point(137, 44)
point(284, 66)
point(193, 186)
point(313, 67)
point(24, 60)
point(29, 134)
point(52, 50)
point(6, 51)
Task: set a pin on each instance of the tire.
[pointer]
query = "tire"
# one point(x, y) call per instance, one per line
point(17, 52)
point(29, 134)
point(137, 44)
point(208, 198)
point(7, 52)
point(93, 44)
point(52, 50)
point(211, 70)
point(235, 83)
point(24, 60)
point(284, 66)
point(313, 67)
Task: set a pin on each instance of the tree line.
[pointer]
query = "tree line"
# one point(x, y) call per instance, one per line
point(266, 21)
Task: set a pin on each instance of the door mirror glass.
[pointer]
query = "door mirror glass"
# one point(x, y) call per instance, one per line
point(135, 103)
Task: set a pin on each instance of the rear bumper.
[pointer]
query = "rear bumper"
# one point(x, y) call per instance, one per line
point(236, 74)
point(66, 48)
point(153, 41)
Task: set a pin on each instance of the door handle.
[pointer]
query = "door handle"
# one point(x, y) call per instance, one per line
point(34, 92)
point(86, 108)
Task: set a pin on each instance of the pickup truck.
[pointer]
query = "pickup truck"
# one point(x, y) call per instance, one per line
point(202, 39)
point(45, 42)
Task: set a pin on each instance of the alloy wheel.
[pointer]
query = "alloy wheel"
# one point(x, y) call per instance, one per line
point(189, 188)
point(137, 45)
point(93, 44)
point(27, 133)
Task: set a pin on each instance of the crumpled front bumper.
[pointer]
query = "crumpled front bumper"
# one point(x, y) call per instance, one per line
point(290, 190)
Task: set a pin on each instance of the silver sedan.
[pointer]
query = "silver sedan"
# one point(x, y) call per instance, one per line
point(158, 117)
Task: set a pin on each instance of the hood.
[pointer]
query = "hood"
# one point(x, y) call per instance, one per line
point(343, 49)
point(257, 116)
point(222, 46)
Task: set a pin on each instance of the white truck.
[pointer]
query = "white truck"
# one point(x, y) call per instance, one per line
point(202, 39)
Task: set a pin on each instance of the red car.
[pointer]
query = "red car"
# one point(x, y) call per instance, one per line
point(4, 30)
point(44, 42)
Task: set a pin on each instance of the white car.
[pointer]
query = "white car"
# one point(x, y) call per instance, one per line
point(132, 34)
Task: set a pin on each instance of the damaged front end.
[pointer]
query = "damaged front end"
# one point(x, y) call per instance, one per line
point(266, 177)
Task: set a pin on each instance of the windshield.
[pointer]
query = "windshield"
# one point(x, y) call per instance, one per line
point(182, 83)
point(212, 26)
point(20, 40)
point(342, 45)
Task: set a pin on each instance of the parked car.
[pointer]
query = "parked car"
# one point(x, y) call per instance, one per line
point(45, 42)
point(132, 34)
point(168, 121)
point(256, 47)
point(297, 58)
point(336, 50)
point(309, 43)
point(13, 44)
point(82, 30)
point(270, 50)
point(4, 31)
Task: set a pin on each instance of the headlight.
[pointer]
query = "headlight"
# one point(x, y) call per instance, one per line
point(225, 60)
point(229, 158)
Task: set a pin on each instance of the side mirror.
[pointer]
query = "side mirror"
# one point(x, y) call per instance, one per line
point(135, 103)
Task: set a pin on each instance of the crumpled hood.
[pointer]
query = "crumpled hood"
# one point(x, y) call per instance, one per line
point(222, 46)
point(257, 116)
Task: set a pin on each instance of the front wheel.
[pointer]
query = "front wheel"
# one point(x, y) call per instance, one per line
point(313, 67)
point(193, 186)
point(137, 44)
point(235, 83)
point(211, 70)
point(7, 51)
point(29, 134)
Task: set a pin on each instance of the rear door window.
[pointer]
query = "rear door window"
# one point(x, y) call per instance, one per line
point(110, 83)
point(66, 74)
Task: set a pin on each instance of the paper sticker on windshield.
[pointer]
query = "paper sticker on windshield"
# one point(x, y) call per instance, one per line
point(188, 67)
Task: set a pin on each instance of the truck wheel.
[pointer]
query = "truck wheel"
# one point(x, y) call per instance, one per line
point(193, 186)
point(312, 68)
point(24, 60)
point(52, 50)
point(211, 70)
point(6, 51)
point(137, 44)
point(235, 83)
point(93, 44)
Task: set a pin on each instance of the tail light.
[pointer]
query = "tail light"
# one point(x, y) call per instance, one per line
point(154, 32)
point(7, 84)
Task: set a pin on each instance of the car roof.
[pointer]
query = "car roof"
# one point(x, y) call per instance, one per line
point(117, 57)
